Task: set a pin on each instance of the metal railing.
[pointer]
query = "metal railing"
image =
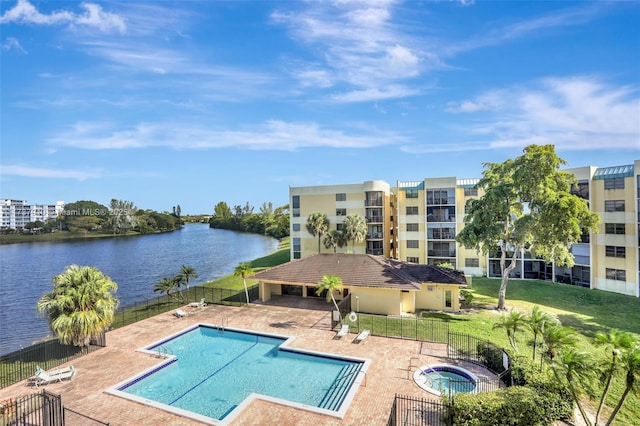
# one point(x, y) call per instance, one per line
point(412, 411)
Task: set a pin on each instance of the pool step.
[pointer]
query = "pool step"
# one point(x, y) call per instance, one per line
point(336, 393)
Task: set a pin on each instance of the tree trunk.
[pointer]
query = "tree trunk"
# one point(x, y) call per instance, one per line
point(606, 389)
point(505, 274)
point(620, 403)
point(246, 292)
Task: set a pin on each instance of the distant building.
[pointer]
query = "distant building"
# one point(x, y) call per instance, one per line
point(17, 213)
point(417, 222)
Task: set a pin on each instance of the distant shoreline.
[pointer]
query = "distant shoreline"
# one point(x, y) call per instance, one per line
point(66, 236)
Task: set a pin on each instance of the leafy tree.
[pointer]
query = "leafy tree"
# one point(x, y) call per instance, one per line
point(536, 322)
point(331, 283)
point(615, 342)
point(334, 239)
point(354, 229)
point(84, 214)
point(222, 211)
point(512, 323)
point(81, 305)
point(317, 224)
point(121, 216)
point(187, 272)
point(556, 337)
point(527, 206)
point(244, 270)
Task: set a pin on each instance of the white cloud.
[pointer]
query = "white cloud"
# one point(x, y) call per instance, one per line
point(572, 113)
point(373, 94)
point(270, 135)
point(37, 172)
point(12, 43)
point(26, 13)
point(359, 46)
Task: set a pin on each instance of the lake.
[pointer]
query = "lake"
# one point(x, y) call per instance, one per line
point(135, 263)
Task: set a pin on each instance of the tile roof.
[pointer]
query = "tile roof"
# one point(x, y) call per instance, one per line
point(360, 270)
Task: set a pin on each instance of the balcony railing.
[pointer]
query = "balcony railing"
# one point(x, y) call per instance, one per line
point(373, 203)
point(375, 252)
point(374, 219)
point(441, 253)
point(437, 218)
point(374, 236)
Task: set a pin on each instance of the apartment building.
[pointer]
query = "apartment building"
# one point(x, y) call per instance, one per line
point(17, 213)
point(417, 221)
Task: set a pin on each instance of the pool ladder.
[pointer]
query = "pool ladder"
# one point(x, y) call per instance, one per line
point(224, 322)
point(162, 352)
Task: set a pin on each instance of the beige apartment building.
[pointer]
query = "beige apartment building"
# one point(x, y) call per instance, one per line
point(417, 221)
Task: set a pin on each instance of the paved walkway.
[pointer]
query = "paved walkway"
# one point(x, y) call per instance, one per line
point(388, 374)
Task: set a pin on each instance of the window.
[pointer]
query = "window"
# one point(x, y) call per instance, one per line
point(470, 192)
point(614, 206)
point(448, 298)
point(614, 183)
point(413, 210)
point(441, 196)
point(581, 189)
point(412, 227)
point(341, 212)
point(472, 262)
point(411, 193)
point(413, 244)
point(412, 259)
point(296, 248)
point(339, 226)
point(341, 197)
point(296, 227)
point(615, 251)
point(295, 206)
point(616, 274)
point(614, 228)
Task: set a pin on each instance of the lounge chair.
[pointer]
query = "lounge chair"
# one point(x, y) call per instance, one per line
point(44, 378)
point(362, 336)
point(180, 313)
point(344, 330)
point(200, 304)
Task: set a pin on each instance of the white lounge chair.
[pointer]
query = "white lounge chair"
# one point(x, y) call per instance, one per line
point(180, 313)
point(44, 378)
point(344, 330)
point(200, 304)
point(362, 336)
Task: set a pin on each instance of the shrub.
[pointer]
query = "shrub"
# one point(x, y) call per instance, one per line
point(490, 356)
point(468, 297)
point(514, 406)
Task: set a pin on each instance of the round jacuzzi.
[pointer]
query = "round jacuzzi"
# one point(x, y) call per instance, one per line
point(440, 379)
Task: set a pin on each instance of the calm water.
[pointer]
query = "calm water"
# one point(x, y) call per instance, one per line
point(215, 372)
point(136, 264)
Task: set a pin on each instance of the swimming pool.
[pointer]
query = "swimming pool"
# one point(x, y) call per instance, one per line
point(210, 374)
point(445, 379)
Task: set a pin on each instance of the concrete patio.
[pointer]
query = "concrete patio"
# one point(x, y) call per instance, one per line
point(388, 374)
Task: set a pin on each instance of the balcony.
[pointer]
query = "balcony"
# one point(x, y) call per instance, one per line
point(375, 252)
point(441, 253)
point(373, 203)
point(374, 219)
point(375, 236)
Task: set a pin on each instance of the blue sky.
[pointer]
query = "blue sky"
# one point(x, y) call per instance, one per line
point(196, 102)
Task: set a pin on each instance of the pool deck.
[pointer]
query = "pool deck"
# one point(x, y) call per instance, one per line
point(388, 374)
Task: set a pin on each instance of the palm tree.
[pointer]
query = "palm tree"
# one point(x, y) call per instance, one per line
point(512, 323)
point(243, 270)
point(536, 323)
point(166, 285)
point(555, 337)
point(81, 305)
point(187, 272)
point(331, 283)
point(355, 229)
point(317, 224)
point(631, 363)
point(334, 239)
point(615, 342)
point(576, 371)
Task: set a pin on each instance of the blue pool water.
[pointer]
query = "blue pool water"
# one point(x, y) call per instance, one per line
point(215, 371)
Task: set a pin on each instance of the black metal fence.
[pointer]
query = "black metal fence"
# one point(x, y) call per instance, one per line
point(345, 307)
point(22, 364)
point(220, 296)
point(479, 351)
point(412, 411)
point(42, 409)
point(421, 329)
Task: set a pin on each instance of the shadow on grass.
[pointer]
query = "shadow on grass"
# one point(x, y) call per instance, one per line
point(585, 328)
point(606, 309)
